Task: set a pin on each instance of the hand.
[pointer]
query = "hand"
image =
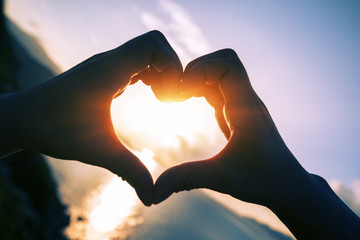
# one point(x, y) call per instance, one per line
point(68, 117)
point(255, 166)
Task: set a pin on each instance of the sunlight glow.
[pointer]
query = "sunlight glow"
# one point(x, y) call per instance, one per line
point(146, 157)
point(113, 204)
point(144, 122)
point(116, 201)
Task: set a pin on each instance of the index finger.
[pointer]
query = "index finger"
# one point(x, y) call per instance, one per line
point(153, 52)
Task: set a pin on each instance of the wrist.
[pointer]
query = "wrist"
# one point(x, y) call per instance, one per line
point(316, 212)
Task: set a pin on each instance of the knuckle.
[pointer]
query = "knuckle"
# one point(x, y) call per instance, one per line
point(155, 36)
point(190, 65)
point(96, 56)
point(228, 52)
point(157, 33)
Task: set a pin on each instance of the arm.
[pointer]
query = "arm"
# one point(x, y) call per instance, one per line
point(319, 214)
point(7, 139)
point(255, 166)
point(68, 117)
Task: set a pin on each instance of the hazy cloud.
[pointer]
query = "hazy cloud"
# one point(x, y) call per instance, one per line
point(179, 28)
point(350, 194)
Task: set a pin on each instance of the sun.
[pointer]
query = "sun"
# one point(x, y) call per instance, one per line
point(141, 121)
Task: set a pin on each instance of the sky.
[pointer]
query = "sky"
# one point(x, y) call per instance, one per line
point(302, 58)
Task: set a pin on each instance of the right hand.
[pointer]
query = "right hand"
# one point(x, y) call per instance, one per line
point(255, 166)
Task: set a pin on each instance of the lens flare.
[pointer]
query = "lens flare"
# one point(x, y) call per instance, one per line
point(141, 121)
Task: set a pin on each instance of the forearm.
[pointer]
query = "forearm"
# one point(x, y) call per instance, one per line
point(319, 214)
point(9, 108)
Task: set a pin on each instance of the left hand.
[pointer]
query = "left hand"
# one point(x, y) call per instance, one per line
point(68, 117)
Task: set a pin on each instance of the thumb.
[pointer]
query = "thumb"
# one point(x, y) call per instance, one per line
point(126, 165)
point(139, 177)
point(187, 176)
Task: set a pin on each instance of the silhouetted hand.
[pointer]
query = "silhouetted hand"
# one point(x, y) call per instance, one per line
point(255, 166)
point(255, 162)
point(68, 117)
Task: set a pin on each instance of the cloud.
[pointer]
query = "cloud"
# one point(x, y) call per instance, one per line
point(356, 189)
point(349, 194)
point(179, 28)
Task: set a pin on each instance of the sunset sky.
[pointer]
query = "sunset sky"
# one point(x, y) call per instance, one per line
point(303, 57)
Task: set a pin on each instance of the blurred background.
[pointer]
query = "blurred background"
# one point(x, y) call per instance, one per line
point(302, 58)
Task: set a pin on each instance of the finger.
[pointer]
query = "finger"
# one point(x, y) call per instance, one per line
point(168, 74)
point(152, 49)
point(223, 125)
point(236, 87)
point(215, 98)
point(220, 54)
point(163, 91)
point(123, 163)
point(207, 71)
point(187, 176)
point(202, 78)
point(145, 76)
point(120, 65)
point(222, 68)
point(148, 49)
point(138, 176)
point(201, 75)
point(109, 73)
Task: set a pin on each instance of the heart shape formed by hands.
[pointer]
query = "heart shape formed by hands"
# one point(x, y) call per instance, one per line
point(254, 148)
point(70, 118)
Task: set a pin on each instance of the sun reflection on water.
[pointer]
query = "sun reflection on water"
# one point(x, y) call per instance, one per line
point(115, 203)
point(111, 210)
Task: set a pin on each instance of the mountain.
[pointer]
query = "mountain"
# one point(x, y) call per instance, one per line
point(32, 63)
point(30, 207)
point(193, 215)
